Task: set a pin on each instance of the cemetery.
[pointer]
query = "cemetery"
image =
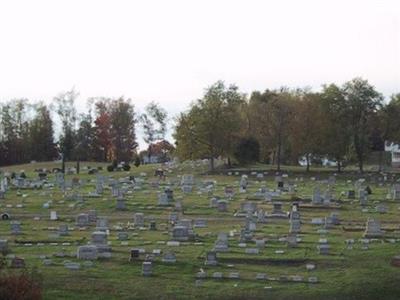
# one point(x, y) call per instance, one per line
point(247, 235)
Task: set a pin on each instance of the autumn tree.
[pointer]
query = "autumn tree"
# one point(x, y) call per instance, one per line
point(102, 143)
point(41, 134)
point(335, 125)
point(64, 106)
point(154, 124)
point(258, 122)
point(305, 132)
point(280, 110)
point(123, 137)
point(208, 129)
point(361, 102)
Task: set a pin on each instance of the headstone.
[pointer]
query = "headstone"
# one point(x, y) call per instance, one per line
point(381, 208)
point(152, 225)
point(121, 203)
point(245, 235)
point(229, 192)
point(169, 257)
point(373, 229)
point(294, 222)
point(323, 249)
point(222, 205)
point(63, 230)
point(3, 246)
point(173, 217)
point(335, 218)
point(250, 225)
point(147, 268)
point(187, 179)
point(211, 258)
point(351, 194)
point(101, 224)
point(261, 216)
point(363, 196)
point(88, 252)
point(82, 220)
point(277, 210)
point(92, 216)
point(396, 192)
point(135, 253)
point(214, 202)
point(163, 199)
point(316, 197)
point(252, 250)
point(291, 240)
point(17, 262)
point(53, 215)
point(15, 227)
point(138, 219)
point(221, 245)
point(170, 194)
point(200, 223)
point(243, 182)
point(181, 233)
point(99, 238)
point(122, 236)
point(248, 207)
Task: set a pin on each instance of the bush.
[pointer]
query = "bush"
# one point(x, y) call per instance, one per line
point(110, 168)
point(16, 286)
point(115, 164)
point(137, 161)
point(247, 150)
point(126, 167)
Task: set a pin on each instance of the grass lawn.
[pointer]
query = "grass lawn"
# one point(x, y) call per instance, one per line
point(343, 274)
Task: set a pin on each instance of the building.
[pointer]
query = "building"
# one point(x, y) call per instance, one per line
point(394, 149)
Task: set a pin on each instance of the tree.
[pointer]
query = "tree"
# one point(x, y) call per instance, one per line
point(41, 134)
point(122, 120)
point(258, 122)
point(163, 149)
point(15, 131)
point(154, 124)
point(247, 150)
point(64, 105)
point(305, 134)
point(362, 101)
point(102, 143)
point(335, 124)
point(85, 138)
point(208, 129)
point(280, 114)
point(389, 115)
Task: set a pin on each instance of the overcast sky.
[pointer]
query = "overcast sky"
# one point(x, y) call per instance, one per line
point(169, 51)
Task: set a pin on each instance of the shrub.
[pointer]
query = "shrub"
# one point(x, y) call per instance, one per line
point(126, 167)
point(115, 164)
point(137, 161)
point(110, 168)
point(247, 150)
point(16, 286)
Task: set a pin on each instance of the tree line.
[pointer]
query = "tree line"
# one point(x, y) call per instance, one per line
point(105, 132)
point(341, 123)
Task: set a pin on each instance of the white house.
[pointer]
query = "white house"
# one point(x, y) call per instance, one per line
point(394, 149)
point(325, 162)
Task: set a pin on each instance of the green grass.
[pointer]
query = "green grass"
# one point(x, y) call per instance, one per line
point(344, 274)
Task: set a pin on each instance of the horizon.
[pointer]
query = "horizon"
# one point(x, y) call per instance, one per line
point(170, 52)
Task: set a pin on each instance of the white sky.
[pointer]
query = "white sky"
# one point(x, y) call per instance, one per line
point(169, 51)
